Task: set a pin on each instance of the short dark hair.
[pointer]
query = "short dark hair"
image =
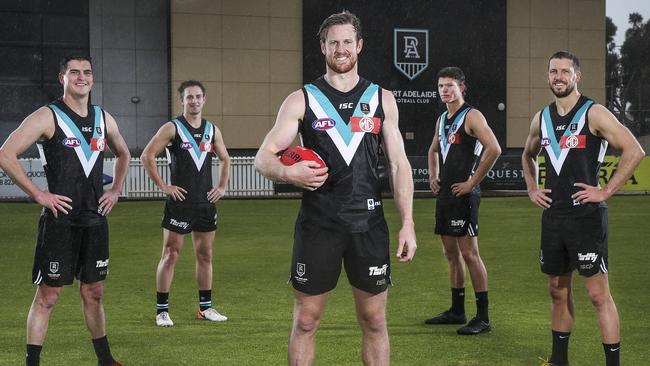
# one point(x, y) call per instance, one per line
point(63, 64)
point(566, 55)
point(452, 72)
point(344, 17)
point(187, 83)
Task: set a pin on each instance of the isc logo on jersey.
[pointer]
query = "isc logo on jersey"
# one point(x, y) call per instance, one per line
point(187, 145)
point(323, 124)
point(71, 142)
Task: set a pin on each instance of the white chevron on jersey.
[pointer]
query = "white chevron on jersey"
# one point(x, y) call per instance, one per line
point(86, 156)
point(455, 126)
point(195, 152)
point(556, 154)
point(348, 150)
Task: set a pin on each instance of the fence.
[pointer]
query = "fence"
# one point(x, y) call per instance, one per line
point(244, 180)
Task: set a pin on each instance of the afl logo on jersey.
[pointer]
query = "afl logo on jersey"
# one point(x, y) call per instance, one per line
point(187, 145)
point(546, 141)
point(323, 124)
point(71, 142)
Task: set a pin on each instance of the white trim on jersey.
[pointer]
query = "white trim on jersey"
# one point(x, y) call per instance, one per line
point(198, 160)
point(445, 146)
point(346, 151)
point(89, 163)
point(558, 162)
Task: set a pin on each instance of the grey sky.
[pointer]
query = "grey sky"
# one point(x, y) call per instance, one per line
point(619, 11)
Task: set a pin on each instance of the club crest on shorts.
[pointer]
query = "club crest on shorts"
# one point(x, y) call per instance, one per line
point(54, 267)
point(300, 269)
point(411, 51)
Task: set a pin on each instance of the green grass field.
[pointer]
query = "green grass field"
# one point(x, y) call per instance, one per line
point(252, 255)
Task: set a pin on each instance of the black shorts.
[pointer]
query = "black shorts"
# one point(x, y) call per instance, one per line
point(183, 219)
point(318, 253)
point(574, 239)
point(457, 216)
point(64, 251)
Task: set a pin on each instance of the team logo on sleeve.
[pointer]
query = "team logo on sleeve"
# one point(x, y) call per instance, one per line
point(366, 124)
point(323, 124)
point(71, 142)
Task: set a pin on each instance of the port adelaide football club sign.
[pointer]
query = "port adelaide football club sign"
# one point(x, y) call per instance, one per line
point(411, 51)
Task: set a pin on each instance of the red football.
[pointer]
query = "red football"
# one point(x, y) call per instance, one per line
point(295, 154)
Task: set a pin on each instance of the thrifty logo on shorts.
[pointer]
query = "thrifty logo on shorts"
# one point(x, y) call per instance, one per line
point(377, 271)
point(181, 224)
point(458, 223)
point(101, 263)
point(589, 257)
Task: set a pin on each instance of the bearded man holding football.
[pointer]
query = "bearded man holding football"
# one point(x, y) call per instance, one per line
point(345, 120)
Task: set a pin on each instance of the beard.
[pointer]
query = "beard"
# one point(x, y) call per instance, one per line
point(341, 68)
point(569, 89)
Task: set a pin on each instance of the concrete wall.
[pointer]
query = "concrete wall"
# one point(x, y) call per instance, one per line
point(248, 53)
point(129, 47)
point(536, 29)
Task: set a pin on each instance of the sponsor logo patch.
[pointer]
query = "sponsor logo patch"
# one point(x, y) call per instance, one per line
point(206, 146)
point(453, 139)
point(180, 224)
point(187, 145)
point(459, 223)
point(588, 257)
point(97, 144)
point(377, 271)
point(101, 263)
point(366, 124)
point(573, 142)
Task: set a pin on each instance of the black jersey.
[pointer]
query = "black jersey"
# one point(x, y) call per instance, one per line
point(190, 160)
point(459, 151)
point(73, 160)
point(345, 130)
point(571, 152)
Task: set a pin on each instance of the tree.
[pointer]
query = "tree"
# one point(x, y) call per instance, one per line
point(612, 69)
point(634, 89)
